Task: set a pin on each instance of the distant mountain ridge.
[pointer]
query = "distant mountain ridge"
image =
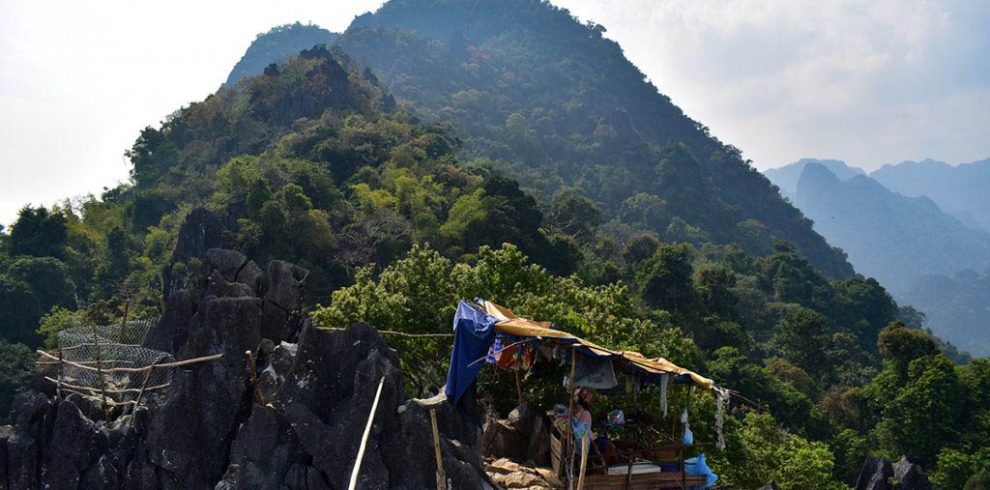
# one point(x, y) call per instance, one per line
point(894, 238)
point(958, 305)
point(787, 177)
point(914, 248)
point(276, 45)
point(961, 190)
point(554, 104)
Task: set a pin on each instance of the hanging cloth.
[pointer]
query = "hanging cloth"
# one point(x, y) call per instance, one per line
point(593, 372)
point(688, 435)
point(474, 331)
point(721, 402)
point(664, 380)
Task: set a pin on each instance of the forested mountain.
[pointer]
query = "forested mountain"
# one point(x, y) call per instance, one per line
point(786, 178)
point(960, 190)
point(958, 305)
point(637, 237)
point(908, 243)
point(277, 45)
point(893, 238)
point(557, 106)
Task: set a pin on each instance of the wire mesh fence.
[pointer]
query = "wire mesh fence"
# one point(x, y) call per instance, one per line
point(107, 363)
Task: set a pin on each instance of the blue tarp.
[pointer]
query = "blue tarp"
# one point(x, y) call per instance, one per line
point(474, 331)
point(698, 466)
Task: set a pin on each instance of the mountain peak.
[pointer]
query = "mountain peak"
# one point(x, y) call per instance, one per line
point(276, 45)
point(788, 176)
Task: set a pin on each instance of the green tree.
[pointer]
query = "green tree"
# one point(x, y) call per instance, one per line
point(37, 232)
point(48, 279)
point(16, 364)
point(21, 309)
point(800, 337)
point(760, 451)
point(665, 279)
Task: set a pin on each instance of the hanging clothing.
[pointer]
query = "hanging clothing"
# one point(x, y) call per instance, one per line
point(514, 357)
point(474, 331)
point(688, 435)
point(593, 372)
point(721, 402)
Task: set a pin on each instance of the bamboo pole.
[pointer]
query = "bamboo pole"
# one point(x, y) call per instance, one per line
point(584, 460)
point(94, 391)
point(99, 370)
point(441, 475)
point(123, 323)
point(164, 365)
point(568, 449)
point(144, 385)
point(364, 438)
point(58, 386)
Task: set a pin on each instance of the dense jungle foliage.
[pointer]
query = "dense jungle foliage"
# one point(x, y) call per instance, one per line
point(554, 103)
point(313, 161)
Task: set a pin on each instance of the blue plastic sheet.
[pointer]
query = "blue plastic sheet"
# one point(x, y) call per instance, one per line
point(698, 466)
point(474, 331)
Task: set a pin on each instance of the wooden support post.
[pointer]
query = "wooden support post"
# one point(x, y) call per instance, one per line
point(254, 378)
point(585, 440)
point(441, 475)
point(99, 371)
point(123, 323)
point(687, 404)
point(144, 385)
point(567, 451)
point(364, 438)
point(58, 387)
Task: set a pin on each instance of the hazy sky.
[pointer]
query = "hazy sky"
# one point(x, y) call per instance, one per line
point(869, 82)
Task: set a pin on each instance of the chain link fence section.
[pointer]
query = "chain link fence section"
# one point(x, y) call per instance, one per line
point(107, 363)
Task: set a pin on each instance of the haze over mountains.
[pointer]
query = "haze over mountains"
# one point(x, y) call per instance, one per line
point(961, 190)
point(926, 256)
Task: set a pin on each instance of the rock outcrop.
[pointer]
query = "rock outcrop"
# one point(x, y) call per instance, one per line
point(523, 436)
point(881, 474)
point(211, 431)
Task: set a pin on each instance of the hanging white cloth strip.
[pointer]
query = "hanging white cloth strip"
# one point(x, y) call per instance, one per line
point(721, 402)
point(664, 379)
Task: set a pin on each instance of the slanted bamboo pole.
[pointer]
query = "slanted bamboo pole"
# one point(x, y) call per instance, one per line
point(441, 475)
point(364, 438)
point(144, 385)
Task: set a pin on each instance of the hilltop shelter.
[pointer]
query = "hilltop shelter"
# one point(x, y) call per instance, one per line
point(487, 333)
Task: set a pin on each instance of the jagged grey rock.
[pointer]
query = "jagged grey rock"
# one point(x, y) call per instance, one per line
point(225, 261)
point(211, 432)
point(880, 474)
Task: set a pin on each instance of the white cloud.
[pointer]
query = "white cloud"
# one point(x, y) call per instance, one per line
point(862, 81)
